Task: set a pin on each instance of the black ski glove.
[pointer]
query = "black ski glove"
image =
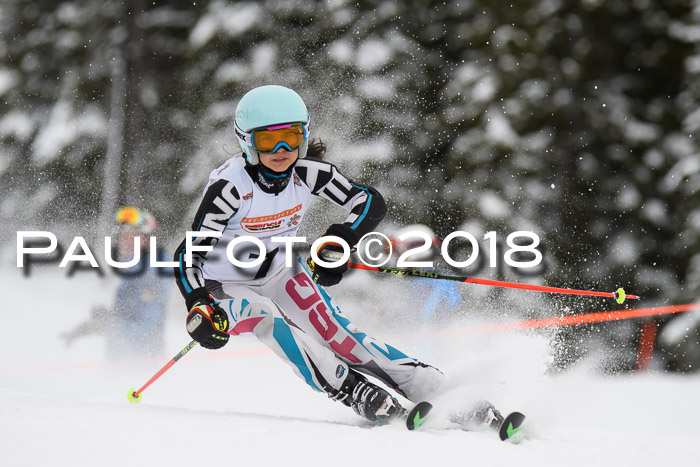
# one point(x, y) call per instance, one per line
point(207, 322)
point(331, 251)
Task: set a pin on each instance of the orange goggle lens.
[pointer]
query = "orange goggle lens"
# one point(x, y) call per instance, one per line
point(129, 215)
point(268, 140)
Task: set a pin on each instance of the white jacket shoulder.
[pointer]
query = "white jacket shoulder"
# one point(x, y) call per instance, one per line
point(230, 170)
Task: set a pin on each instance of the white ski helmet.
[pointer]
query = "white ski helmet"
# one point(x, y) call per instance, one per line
point(267, 107)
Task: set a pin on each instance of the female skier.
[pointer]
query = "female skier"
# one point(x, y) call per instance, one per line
point(264, 193)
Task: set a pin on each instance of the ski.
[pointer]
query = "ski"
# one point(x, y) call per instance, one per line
point(510, 425)
point(506, 429)
point(417, 415)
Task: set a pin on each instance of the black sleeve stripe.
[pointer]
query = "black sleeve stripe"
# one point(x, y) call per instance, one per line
point(315, 174)
point(219, 205)
point(367, 207)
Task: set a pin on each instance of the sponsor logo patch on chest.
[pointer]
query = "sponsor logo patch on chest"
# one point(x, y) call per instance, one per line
point(270, 223)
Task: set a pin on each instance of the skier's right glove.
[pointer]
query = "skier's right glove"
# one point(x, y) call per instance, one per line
point(207, 323)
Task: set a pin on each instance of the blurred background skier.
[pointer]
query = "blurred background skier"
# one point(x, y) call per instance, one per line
point(429, 299)
point(132, 325)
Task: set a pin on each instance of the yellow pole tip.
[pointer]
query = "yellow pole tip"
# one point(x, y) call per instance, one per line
point(620, 295)
point(133, 397)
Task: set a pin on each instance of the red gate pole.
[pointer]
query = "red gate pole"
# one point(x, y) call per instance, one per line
point(645, 351)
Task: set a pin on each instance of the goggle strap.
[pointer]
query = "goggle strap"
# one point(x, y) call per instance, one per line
point(247, 138)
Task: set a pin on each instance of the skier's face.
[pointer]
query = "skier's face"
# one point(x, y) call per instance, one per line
point(280, 160)
point(127, 240)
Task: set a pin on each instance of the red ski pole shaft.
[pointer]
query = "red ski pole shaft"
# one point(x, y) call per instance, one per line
point(135, 396)
point(618, 295)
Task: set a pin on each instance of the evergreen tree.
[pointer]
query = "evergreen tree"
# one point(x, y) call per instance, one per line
point(576, 121)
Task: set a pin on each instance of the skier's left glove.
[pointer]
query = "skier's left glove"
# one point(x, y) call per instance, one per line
point(207, 323)
point(332, 251)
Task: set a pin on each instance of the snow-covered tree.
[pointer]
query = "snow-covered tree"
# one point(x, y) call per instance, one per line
point(576, 121)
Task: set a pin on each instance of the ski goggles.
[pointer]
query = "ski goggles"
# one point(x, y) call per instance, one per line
point(269, 140)
point(129, 215)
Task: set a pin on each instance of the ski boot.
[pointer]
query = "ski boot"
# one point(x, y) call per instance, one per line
point(367, 399)
point(482, 415)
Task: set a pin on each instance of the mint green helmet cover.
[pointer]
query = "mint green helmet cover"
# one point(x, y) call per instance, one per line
point(268, 106)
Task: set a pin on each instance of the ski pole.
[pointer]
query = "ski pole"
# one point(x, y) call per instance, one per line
point(619, 295)
point(135, 396)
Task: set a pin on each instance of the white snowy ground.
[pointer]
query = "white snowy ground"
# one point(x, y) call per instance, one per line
point(240, 406)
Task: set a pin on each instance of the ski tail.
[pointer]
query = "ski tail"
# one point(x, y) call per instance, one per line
point(417, 415)
point(506, 429)
point(511, 425)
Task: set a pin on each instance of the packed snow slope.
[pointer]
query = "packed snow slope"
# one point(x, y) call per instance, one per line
point(67, 406)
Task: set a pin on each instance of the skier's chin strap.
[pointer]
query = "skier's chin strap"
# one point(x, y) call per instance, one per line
point(269, 180)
